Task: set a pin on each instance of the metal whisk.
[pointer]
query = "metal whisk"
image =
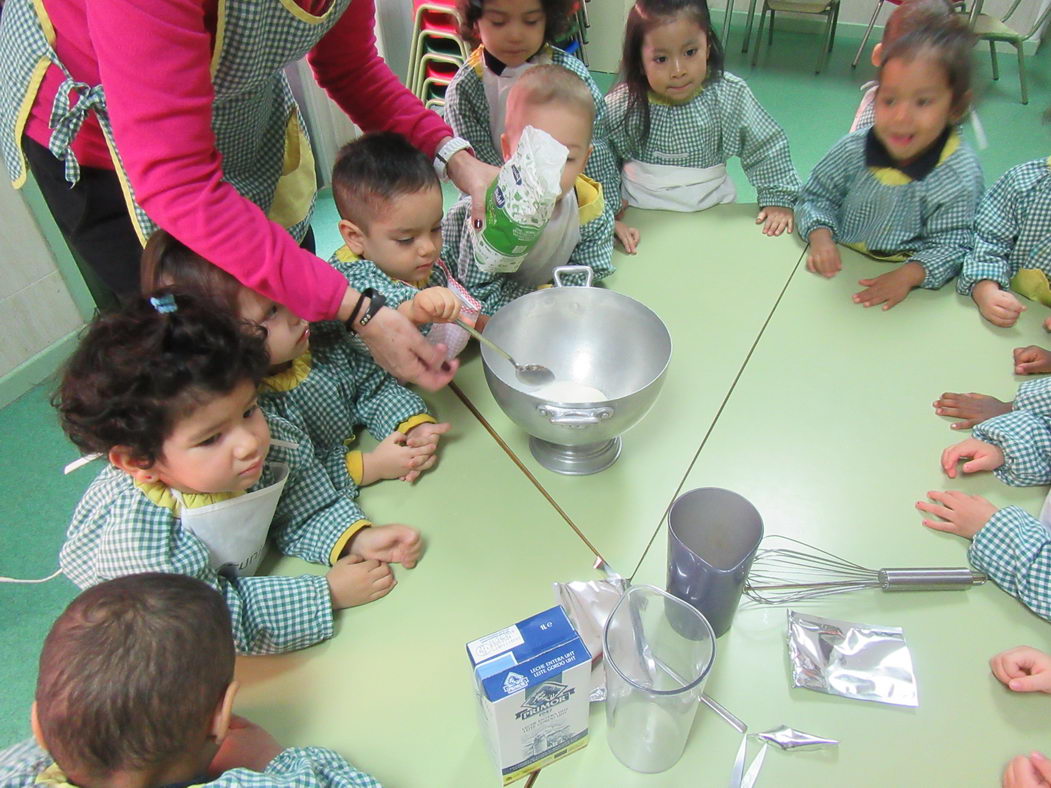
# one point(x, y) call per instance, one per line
point(783, 575)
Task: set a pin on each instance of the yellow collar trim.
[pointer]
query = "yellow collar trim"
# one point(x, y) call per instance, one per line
point(892, 176)
point(344, 255)
point(589, 198)
point(288, 379)
point(1048, 161)
point(161, 494)
point(656, 98)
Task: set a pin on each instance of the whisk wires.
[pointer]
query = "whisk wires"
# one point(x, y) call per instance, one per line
point(783, 575)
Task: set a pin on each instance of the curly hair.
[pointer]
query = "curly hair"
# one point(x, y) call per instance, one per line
point(137, 372)
point(644, 16)
point(557, 15)
point(132, 671)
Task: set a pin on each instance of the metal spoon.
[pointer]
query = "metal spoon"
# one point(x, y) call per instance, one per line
point(529, 374)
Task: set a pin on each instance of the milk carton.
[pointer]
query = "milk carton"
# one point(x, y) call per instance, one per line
point(532, 680)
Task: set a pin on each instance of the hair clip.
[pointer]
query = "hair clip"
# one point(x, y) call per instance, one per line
point(164, 304)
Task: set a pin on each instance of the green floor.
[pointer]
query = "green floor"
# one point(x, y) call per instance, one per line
point(814, 110)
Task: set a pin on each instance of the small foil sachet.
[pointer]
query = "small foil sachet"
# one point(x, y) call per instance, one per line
point(857, 661)
point(790, 739)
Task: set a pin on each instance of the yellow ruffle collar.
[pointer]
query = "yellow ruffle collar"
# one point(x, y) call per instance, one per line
point(161, 494)
point(288, 379)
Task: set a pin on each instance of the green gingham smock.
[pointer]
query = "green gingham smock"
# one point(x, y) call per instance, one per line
point(595, 250)
point(467, 112)
point(361, 274)
point(1034, 396)
point(1014, 548)
point(117, 530)
point(887, 212)
point(332, 389)
point(722, 121)
point(1012, 228)
point(25, 765)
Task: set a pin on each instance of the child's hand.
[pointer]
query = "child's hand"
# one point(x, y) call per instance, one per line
point(972, 408)
point(1028, 771)
point(354, 580)
point(623, 207)
point(1031, 360)
point(775, 219)
point(245, 746)
point(1023, 669)
point(423, 439)
point(434, 305)
point(982, 456)
point(999, 307)
point(824, 256)
point(890, 288)
point(628, 236)
point(392, 544)
point(395, 457)
point(960, 513)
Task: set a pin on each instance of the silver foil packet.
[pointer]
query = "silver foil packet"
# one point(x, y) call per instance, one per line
point(589, 604)
point(790, 739)
point(857, 661)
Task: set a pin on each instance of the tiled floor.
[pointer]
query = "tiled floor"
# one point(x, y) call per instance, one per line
point(36, 500)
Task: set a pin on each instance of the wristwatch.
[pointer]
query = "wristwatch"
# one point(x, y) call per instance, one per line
point(446, 152)
point(376, 302)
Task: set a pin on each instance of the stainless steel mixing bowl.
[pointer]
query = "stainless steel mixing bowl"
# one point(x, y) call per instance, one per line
point(588, 336)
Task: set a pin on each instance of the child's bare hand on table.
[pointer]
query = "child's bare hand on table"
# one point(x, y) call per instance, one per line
point(1028, 771)
point(354, 580)
point(423, 439)
point(999, 307)
point(629, 237)
point(890, 288)
point(1031, 360)
point(1023, 669)
point(397, 457)
point(981, 456)
point(960, 513)
point(973, 408)
point(390, 544)
point(823, 256)
point(775, 220)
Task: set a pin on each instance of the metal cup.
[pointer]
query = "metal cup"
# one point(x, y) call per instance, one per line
point(713, 535)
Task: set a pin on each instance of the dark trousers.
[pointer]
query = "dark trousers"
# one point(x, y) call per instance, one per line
point(93, 218)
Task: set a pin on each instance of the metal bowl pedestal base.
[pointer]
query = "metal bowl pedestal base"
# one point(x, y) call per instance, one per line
point(575, 460)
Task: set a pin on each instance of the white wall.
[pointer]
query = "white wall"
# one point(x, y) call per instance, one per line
point(36, 308)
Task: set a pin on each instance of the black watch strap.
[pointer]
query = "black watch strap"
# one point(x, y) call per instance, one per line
point(376, 302)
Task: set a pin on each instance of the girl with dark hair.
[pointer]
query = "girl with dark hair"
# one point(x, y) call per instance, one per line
point(198, 478)
point(676, 117)
point(906, 189)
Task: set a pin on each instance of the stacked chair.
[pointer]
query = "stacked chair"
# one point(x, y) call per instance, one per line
point(437, 50)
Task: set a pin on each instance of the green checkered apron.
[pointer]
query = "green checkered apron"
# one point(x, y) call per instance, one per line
point(265, 151)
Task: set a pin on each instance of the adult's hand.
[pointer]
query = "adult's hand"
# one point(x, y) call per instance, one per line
point(399, 347)
point(472, 177)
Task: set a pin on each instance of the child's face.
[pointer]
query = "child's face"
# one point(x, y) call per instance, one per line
point(512, 31)
point(403, 237)
point(675, 58)
point(572, 129)
point(219, 447)
point(287, 334)
point(914, 104)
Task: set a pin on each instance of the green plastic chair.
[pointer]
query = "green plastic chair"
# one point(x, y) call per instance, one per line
point(826, 8)
point(989, 28)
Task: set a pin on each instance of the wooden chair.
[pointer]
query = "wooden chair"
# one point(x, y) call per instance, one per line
point(826, 8)
point(989, 28)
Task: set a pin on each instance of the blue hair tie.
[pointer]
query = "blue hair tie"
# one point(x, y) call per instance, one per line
point(165, 304)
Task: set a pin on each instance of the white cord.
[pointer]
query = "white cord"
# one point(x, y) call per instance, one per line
point(56, 573)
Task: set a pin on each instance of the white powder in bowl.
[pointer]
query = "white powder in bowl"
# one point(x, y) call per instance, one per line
point(568, 391)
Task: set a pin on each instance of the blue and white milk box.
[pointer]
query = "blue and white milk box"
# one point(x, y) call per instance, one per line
point(532, 680)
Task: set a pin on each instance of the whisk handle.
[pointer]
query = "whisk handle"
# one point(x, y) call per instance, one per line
point(929, 579)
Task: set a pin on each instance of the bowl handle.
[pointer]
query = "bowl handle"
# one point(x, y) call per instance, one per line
point(573, 269)
point(574, 418)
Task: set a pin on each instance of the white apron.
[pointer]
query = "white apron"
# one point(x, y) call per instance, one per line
point(554, 246)
point(1045, 512)
point(235, 530)
point(674, 188)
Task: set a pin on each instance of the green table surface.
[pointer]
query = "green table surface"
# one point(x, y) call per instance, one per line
point(831, 434)
point(392, 690)
point(714, 279)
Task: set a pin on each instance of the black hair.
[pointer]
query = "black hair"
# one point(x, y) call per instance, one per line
point(913, 15)
point(557, 14)
point(168, 264)
point(137, 371)
point(131, 673)
point(377, 167)
point(950, 44)
point(644, 16)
